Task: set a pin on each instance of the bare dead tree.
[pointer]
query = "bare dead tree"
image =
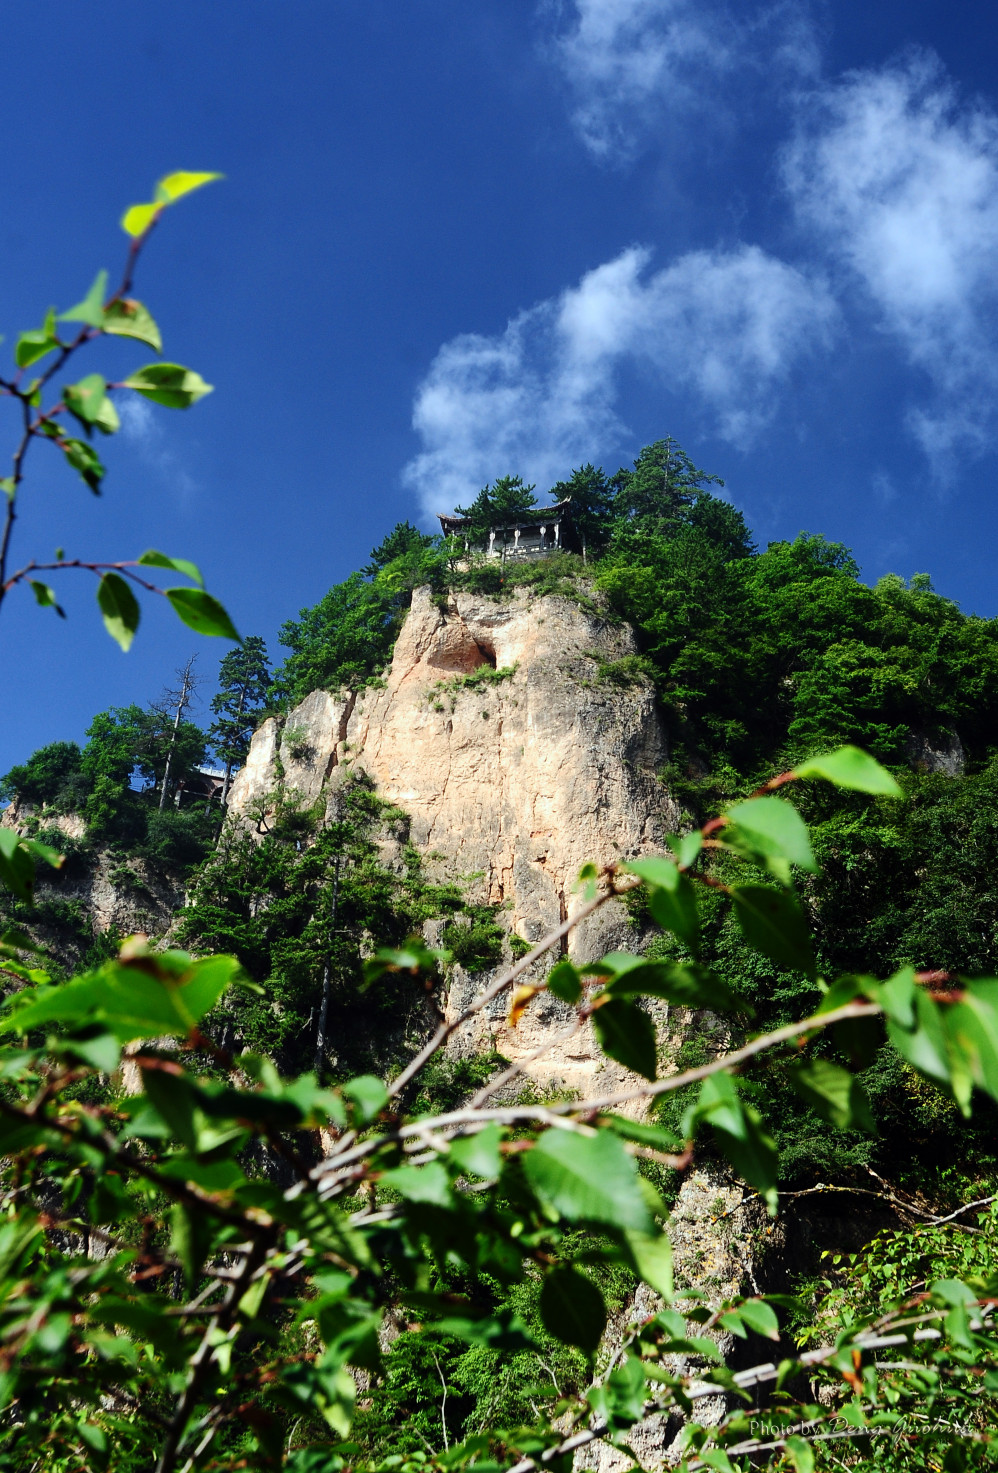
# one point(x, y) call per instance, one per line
point(175, 703)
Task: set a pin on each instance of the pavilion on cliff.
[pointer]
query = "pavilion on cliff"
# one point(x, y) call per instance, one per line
point(550, 529)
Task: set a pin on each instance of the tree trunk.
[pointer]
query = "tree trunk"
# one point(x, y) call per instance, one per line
point(320, 1035)
point(228, 765)
point(183, 701)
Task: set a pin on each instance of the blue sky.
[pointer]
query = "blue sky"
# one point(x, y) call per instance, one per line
point(458, 240)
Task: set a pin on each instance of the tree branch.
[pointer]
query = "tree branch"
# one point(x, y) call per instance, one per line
point(506, 980)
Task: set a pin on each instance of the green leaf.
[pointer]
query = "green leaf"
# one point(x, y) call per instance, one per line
point(414, 957)
point(564, 982)
point(588, 1179)
point(12, 941)
point(250, 1302)
point(46, 597)
point(429, 1184)
point(849, 767)
point(897, 996)
point(190, 1240)
point(168, 383)
point(646, 1135)
point(153, 559)
point(772, 922)
point(127, 318)
point(772, 829)
point(686, 848)
point(760, 1317)
point(91, 309)
point(671, 900)
point(172, 1097)
point(35, 344)
point(137, 219)
point(924, 1045)
point(572, 1309)
point(200, 611)
point(17, 871)
point(86, 399)
point(145, 997)
point(685, 984)
point(9, 487)
point(119, 607)
point(106, 418)
point(800, 1453)
point(479, 1153)
point(652, 1256)
point(502, 1331)
point(368, 1096)
point(740, 1133)
point(835, 1094)
point(101, 1051)
point(175, 186)
point(972, 1031)
point(84, 459)
point(716, 1457)
point(204, 983)
point(627, 1034)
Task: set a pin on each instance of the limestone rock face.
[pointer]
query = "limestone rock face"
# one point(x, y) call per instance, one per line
point(942, 753)
point(128, 896)
point(511, 784)
point(512, 781)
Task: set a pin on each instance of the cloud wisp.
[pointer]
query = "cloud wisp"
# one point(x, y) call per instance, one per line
point(141, 429)
point(540, 397)
point(898, 181)
point(628, 64)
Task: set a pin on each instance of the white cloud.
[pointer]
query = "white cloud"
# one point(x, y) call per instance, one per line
point(628, 63)
point(899, 179)
point(138, 423)
point(141, 427)
point(538, 398)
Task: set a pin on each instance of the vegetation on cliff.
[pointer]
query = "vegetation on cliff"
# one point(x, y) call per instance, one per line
point(204, 1244)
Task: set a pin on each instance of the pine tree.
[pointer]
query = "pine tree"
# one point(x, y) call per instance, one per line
point(244, 679)
point(592, 501)
point(503, 503)
point(664, 481)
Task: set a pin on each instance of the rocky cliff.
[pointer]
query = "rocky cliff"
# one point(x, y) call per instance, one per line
point(96, 891)
point(520, 747)
point(515, 780)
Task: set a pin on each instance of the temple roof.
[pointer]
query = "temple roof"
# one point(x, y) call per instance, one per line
point(545, 516)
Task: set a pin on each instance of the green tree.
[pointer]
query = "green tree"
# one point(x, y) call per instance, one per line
point(244, 681)
point(402, 541)
point(126, 743)
point(46, 777)
point(242, 1284)
point(343, 640)
point(347, 638)
point(663, 479)
point(592, 498)
point(505, 501)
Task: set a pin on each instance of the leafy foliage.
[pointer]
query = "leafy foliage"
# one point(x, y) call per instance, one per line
point(244, 679)
point(242, 1282)
point(88, 402)
point(51, 776)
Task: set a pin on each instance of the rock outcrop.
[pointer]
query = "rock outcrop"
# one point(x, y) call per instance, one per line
point(519, 746)
point(521, 741)
point(95, 891)
point(512, 783)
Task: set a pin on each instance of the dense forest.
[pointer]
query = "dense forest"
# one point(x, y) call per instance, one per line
point(759, 659)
